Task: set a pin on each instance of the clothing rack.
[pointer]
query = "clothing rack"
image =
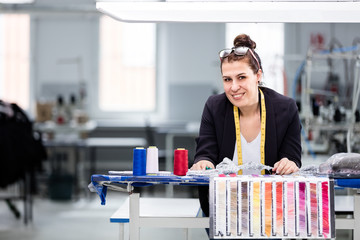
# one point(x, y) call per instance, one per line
point(24, 195)
point(21, 156)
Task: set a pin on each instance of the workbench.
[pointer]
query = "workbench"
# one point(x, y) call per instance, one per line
point(126, 183)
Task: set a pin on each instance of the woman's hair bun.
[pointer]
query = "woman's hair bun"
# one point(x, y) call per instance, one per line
point(244, 40)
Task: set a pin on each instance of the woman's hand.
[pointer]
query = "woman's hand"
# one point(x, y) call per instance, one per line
point(202, 165)
point(285, 166)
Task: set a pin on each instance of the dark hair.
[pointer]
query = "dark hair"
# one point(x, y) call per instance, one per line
point(244, 40)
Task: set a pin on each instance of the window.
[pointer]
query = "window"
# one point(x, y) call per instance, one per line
point(14, 58)
point(127, 76)
point(269, 38)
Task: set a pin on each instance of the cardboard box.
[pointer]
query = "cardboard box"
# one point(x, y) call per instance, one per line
point(44, 111)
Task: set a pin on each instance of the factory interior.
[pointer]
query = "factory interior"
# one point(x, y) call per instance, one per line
point(88, 88)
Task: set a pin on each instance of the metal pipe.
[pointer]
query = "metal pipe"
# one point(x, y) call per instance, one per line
point(356, 93)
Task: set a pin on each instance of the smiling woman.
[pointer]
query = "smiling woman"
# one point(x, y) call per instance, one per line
point(248, 123)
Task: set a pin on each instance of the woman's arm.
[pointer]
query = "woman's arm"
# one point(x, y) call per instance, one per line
point(207, 143)
point(290, 148)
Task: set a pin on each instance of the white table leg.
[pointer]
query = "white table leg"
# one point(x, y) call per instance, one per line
point(187, 233)
point(134, 214)
point(121, 231)
point(357, 215)
point(169, 163)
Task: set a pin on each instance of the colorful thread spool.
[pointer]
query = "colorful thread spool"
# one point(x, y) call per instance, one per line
point(271, 207)
point(139, 161)
point(180, 161)
point(152, 160)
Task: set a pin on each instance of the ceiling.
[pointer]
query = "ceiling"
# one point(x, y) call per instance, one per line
point(231, 11)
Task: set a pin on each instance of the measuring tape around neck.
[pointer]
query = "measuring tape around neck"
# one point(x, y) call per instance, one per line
point(262, 141)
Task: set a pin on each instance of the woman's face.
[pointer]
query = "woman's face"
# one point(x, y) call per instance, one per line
point(240, 83)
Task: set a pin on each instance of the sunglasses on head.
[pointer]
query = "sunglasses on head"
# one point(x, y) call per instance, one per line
point(239, 51)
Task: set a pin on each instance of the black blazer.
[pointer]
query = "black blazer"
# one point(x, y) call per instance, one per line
point(217, 132)
point(282, 135)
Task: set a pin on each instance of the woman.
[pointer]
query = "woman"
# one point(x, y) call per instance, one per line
point(253, 122)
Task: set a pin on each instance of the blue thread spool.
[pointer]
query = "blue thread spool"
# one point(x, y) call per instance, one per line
point(139, 161)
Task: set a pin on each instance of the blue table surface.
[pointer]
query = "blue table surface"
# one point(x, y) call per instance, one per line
point(140, 181)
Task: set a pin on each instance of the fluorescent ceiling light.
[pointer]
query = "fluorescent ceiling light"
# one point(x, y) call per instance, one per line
point(181, 11)
point(16, 1)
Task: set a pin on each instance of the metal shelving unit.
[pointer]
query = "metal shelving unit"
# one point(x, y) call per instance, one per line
point(347, 127)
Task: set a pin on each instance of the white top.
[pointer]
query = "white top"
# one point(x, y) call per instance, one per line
point(250, 153)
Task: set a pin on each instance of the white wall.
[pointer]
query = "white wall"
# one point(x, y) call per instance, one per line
point(193, 52)
point(65, 52)
point(189, 66)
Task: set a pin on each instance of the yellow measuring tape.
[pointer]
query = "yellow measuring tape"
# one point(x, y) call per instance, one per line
point(262, 141)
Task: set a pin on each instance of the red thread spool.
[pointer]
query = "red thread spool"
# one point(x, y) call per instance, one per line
point(180, 161)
